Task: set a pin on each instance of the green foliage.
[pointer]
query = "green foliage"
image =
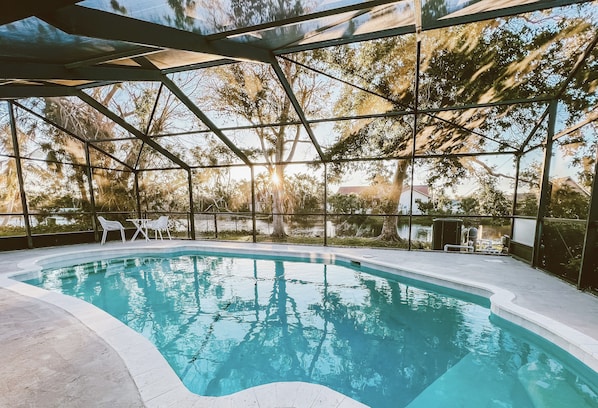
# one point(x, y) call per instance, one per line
point(441, 204)
point(358, 226)
point(347, 204)
point(11, 231)
point(425, 207)
point(469, 206)
point(561, 248)
point(432, 10)
point(491, 200)
point(460, 65)
point(55, 228)
point(580, 148)
point(566, 202)
point(453, 171)
point(305, 192)
point(508, 59)
point(527, 205)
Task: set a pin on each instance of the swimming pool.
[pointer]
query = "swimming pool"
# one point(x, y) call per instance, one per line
point(229, 323)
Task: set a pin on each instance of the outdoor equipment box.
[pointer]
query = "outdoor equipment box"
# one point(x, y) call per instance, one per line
point(446, 231)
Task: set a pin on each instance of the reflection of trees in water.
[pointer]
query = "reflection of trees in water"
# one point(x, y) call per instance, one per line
point(277, 338)
point(380, 341)
point(340, 343)
point(248, 323)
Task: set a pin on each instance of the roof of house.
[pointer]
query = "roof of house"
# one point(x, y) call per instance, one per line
point(568, 182)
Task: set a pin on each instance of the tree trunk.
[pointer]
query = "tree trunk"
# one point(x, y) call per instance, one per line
point(389, 227)
point(277, 203)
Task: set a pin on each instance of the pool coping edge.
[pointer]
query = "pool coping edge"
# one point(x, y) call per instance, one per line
point(157, 383)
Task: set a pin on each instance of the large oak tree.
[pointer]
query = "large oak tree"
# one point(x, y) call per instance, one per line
point(513, 59)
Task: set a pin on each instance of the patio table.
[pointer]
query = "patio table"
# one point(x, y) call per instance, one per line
point(141, 225)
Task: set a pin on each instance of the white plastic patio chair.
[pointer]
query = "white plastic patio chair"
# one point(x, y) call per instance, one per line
point(159, 225)
point(111, 226)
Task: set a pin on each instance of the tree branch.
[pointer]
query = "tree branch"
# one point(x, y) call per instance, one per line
point(489, 169)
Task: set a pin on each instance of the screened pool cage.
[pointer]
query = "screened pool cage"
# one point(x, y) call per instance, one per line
point(423, 124)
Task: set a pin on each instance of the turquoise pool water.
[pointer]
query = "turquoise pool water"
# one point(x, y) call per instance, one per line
point(229, 323)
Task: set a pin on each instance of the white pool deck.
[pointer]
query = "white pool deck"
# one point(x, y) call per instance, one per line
point(58, 351)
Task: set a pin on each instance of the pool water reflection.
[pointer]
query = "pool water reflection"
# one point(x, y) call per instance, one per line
point(230, 323)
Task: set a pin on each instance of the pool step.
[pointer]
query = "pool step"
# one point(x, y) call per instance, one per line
point(473, 382)
point(548, 389)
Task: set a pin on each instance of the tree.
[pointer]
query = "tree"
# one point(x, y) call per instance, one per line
point(491, 200)
point(26, 132)
point(474, 63)
point(306, 196)
point(469, 205)
point(346, 203)
point(147, 107)
point(10, 195)
point(113, 189)
point(213, 190)
point(253, 93)
point(567, 202)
